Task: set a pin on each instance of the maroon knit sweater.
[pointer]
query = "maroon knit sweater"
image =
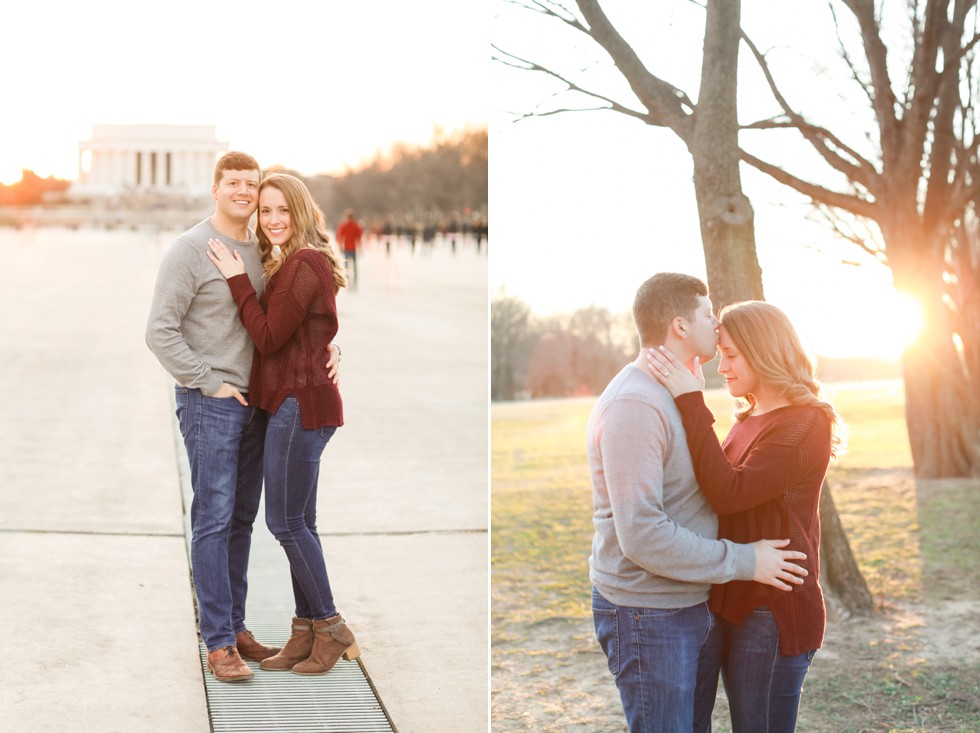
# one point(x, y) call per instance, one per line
point(764, 482)
point(292, 326)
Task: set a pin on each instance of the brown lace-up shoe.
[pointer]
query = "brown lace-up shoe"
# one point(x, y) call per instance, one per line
point(251, 649)
point(227, 666)
point(331, 641)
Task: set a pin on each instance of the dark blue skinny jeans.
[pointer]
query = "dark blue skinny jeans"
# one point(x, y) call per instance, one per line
point(763, 687)
point(292, 468)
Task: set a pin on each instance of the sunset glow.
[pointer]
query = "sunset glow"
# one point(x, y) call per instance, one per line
point(876, 322)
point(9, 173)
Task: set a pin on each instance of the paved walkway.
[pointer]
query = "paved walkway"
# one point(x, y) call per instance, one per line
point(96, 606)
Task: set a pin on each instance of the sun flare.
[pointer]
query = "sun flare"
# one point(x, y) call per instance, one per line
point(906, 319)
point(9, 173)
point(865, 320)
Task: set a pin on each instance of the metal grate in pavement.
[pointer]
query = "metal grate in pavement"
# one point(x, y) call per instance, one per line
point(340, 701)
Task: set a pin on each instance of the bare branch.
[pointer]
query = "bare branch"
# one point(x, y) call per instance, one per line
point(951, 67)
point(819, 194)
point(883, 97)
point(865, 87)
point(666, 104)
point(551, 10)
point(930, 90)
point(837, 224)
point(828, 145)
point(517, 62)
point(943, 202)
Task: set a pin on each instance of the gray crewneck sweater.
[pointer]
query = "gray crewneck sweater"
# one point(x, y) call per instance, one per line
point(193, 326)
point(654, 544)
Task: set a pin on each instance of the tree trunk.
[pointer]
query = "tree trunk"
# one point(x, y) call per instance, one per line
point(941, 407)
point(726, 217)
point(844, 587)
point(728, 235)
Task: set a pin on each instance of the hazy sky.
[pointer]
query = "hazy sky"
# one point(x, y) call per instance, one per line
point(587, 205)
point(314, 86)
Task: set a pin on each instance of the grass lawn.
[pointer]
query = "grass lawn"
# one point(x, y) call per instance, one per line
point(915, 666)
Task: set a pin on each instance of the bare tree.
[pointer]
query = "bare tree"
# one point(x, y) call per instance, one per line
point(920, 191)
point(512, 338)
point(917, 186)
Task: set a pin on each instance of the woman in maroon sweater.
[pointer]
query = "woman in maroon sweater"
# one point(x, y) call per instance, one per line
point(764, 480)
point(292, 325)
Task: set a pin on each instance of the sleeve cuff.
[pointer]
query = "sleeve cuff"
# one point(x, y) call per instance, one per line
point(690, 401)
point(212, 385)
point(744, 561)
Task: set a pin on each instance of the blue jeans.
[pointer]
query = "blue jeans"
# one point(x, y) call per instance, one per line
point(350, 263)
point(665, 662)
point(224, 443)
point(763, 687)
point(292, 468)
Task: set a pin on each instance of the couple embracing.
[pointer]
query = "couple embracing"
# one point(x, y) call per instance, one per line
point(705, 558)
point(244, 321)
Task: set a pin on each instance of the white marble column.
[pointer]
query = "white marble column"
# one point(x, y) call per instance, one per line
point(112, 177)
point(119, 169)
point(129, 168)
point(199, 162)
point(98, 168)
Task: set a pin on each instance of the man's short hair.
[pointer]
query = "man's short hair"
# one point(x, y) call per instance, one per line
point(234, 161)
point(662, 298)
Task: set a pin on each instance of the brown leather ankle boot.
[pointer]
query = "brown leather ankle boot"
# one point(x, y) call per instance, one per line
point(250, 648)
point(297, 649)
point(227, 666)
point(331, 641)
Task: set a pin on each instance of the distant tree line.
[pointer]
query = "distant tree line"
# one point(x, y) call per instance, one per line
point(574, 354)
point(556, 355)
point(30, 189)
point(442, 184)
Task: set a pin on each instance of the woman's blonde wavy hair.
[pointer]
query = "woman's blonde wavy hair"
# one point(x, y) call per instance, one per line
point(765, 337)
point(308, 226)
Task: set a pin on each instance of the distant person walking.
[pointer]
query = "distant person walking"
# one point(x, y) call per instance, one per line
point(763, 480)
point(291, 322)
point(654, 554)
point(193, 330)
point(349, 234)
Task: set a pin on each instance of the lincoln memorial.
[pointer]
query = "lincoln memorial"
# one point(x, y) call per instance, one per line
point(151, 160)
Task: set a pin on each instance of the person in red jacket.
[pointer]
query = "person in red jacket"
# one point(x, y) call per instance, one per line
point(764, 480)
point(292, 325)
point(349, 235)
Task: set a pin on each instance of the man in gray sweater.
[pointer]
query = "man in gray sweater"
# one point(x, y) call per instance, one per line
point(655, 552)
point(194, 330)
